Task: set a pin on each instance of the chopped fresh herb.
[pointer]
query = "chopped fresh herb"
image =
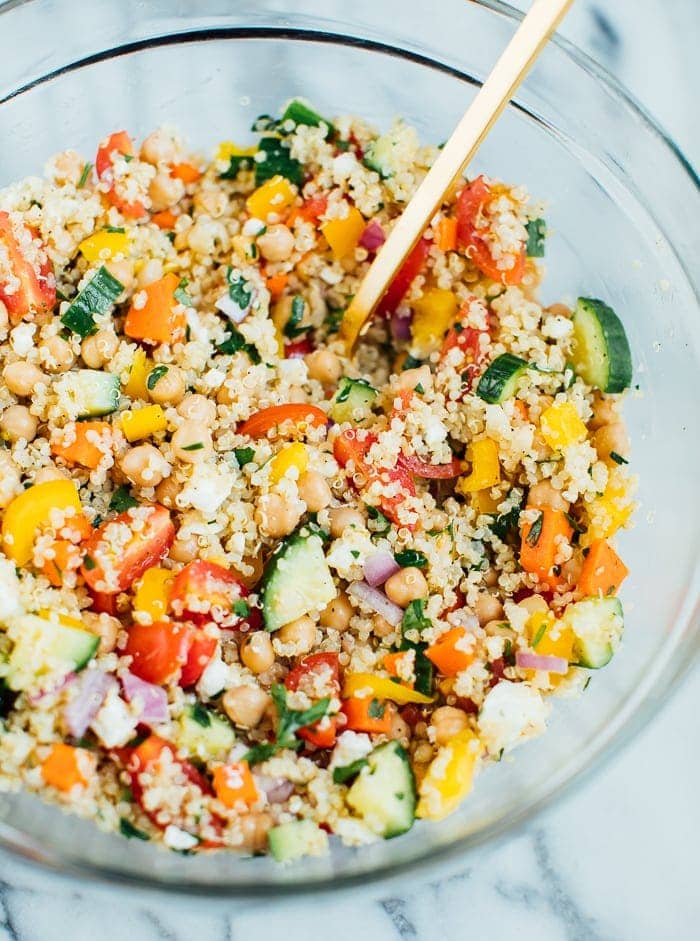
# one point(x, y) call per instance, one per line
point(414, 618)
point(293, 327)
point(201, 715)
point(458, 327)
point(376, 709)
point(585, 685)
point(508, 653)
point(7, 699)
point(346, 772)
point(154, 375)
point(533, 536)
point(84, 176)
point(97, 522)
point(181, 295)
point(116, 229)
point(380, 524)
point(96, 297)
point(355, 553)
point(419, 389)
point(618, 458)
point(197, 446)
point(333, 319)
point(241, 608)
point(244, 455)
point(536, 233)
point(235, 342)
point(422, 667)
point(277, 161)
point(127, 829)
point(539, 635)
point(89, 563)
point(289, 721)
point(412, 558)
point(264, 122)
point(411, 363)
point(260, 752)
point(128, 157)
point(300, 113)
point(239, 290)
point(237, 162)
point(122, 500)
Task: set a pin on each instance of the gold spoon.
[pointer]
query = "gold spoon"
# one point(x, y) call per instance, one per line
point(512, 67)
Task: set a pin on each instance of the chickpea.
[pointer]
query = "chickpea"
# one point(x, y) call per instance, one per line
point(207, 236)
point(487, 608)
point(611, 438)
point(343, 517)
point(544, 495)
point(276, 516)
point(105, 626)
point(256, 652)
point(381, 627)
point(57, 354)
point(123, 269)
point(165, 190)
point(337, 614)
point(571, 570)
point(10, 478)
point(245, 705)
point(67, 167)
point(533, 604)
point(22, 377)
point(300, 633)
point(159, 147)
point(324, 366)
point(197, 408)
point(314, 491)
point(498, 629)
point(604, 412)
point(150, 272)
point(448, 721)
point(400, 729)
point(45, 474)
point(406, 586)
point(277, 244)
point(18, 422)
point(167, 491)
point(410, 378)
point(145, 466)
point(255, 827)
point(169, 389)
point(559, 310)
point(490, 577)
point(211, 202)
point(184, 548)
point(99, 348)
point(191, 442)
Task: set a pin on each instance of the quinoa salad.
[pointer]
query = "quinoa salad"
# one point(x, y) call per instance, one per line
point(260, 591)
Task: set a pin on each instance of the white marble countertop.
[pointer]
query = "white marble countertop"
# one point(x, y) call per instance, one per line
point(612, 862)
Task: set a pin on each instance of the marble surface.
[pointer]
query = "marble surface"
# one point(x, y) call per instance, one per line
point(614, 861)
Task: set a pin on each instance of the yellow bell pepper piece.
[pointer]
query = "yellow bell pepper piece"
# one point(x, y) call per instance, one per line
point(28, 511)
point(449, 778)
point(483, 502)
point(486, 470)
point(65, 619)
point(343, 234)
point(104, 245)
point(152, 594)
point(143, 422)
point(434, 313)
point(228, 149)
point(553, 638)
point(276, 195)
point(610, 512)
point(367, 684)
point(561, 426)
point(135, 386)
point(294, 455)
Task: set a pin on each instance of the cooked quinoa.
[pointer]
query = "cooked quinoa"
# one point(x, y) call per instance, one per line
point(256, 588)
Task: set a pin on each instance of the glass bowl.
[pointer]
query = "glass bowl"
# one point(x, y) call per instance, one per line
point(622, 212)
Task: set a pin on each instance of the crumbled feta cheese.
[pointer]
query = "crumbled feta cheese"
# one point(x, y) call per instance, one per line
point(207, 488)
point(351, 746)
point(177, 839)
point(114, 724)
point(511, 714)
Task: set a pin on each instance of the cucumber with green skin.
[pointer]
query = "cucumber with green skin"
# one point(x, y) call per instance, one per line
point(296, 581)
point(353, 401)
point(597, 624)
point(297, 838)
point(500, 381)
point(204, 734)
point(384, 792)
point(92, 392)
point(600, 353)
point(44, 647)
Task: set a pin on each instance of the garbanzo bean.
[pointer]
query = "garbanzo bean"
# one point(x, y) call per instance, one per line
point(448, 721)
point(185, 548)
point(57, 354)
point(488, 608)
point(277, 244)
point(245, 705)
point(381, 627)
point(611, 439)
point(337, 614)
point(165, 190)
point(169, 388)
point(191, 442)
point(255, 826)
point(167, 491)
point(22, 377)
point(300, 633)
point(343, 517)
point(159, 147)
point(406, 586)
point(314, 491)
point(198, 408)
point(18, 422)
point(544, 494)
point(256, 651)
point(324, 366)
point(145, 466)
point(99, 348)
point(604, 412)
point(50, 472)
point(276, 515)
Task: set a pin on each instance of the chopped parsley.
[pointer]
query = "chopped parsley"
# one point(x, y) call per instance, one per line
point(237, 162)
point(115, 229)
point(89, 563)
point(181, 295)
point(618, 458)
point(84, 176)
point(293, 327)
point(380, 524)
point(154, 375)
point(121, 500)
point(346, 772)
point(412, 558)
point(376, 709)
point(244, 455)
point(201, 715)
point(333, 319)
point(289, 721)
point(127, 829)
point(536, 233)
point(235, 342)
point(241, 608)
point(197, 446)
point(276, 161)
point(533, 536)
point(414, 618)
point(239, 290)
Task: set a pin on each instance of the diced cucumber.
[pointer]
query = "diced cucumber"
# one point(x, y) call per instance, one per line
point(353, 401)
point(384, 792)
point(500, 381)
point(536, 234)
point(601, 352)
point(204, 734)
point(379, 154)
point(296, 581)
point(96, 297)
point(92, 392)
point(44, 648)
point(301, 113)
point(597, 624)
point(290, 841)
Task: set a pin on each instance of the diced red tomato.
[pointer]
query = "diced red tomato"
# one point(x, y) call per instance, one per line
point(202, 648)
point(120, 143)
point(474, 350)
point(314, 207)
point(431, 471)
point(301, 676)
point(349, 447)
point(102, 603)
point(470, 205)
point(413, 265)
point(159, 651)
point(299, 348)
point(27, 281)
point(112, 563)
point(299, 415)
point(205, 591)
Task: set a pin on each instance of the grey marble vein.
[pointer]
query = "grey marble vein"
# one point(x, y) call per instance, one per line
point(397, 910)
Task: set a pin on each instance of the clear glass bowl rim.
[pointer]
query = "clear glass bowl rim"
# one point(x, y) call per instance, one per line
point(675, 670)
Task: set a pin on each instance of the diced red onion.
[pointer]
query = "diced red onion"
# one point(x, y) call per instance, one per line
point(92, 688)
point(378, 567)
point(535, 661)
point(277, 790)
point(377, 601)
point(65, 681)
point(373, 236)
point(152, 699)
point(401, 325)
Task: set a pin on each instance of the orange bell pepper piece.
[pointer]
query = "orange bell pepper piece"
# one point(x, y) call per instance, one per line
point(66, 766)
point(234, 784)
point(276, 285)
point(447, 656)
point(299, 414)
point(447, 235)
point(186, 172)
point(540, 544)
point(164, 219)
point(367, 714)
point(603, 571)
point(83, 449)
point(156, 320)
